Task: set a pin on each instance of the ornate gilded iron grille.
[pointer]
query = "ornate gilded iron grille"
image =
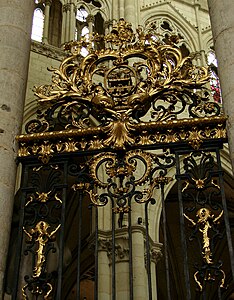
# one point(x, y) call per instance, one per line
point(109, 131)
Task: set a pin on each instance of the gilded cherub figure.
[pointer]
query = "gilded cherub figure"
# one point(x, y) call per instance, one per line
point(42, 236)
point(205, 221)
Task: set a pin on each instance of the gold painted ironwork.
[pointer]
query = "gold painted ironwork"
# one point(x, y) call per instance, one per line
point(149, 134)
point(41, 235)
point(205, 221)
point(43, 198)
point(136, 91)
point(139, 91)
point(113, 169)
point(37, 291)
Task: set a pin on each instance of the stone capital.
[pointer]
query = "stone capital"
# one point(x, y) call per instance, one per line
point(90, 19)
point(105, 245)
point(48, 2)
point(66, 7)
point(156, 254)
point(107, 24)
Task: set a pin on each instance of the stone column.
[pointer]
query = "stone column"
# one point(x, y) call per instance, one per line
point(139, 270)
point(46, 21)
point(63, 35)
point(107, 29)
point(199, 32)
point(222, 22)
point(15, 37)
point(90, 21)
point(107, 25)
point(104, 271)
point(115, 10)
point(66, 23)
point(68, 16)
point(72, 22)
point(121, 9)
point(131, 13)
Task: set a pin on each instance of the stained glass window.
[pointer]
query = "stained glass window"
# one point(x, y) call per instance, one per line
point(214, 79)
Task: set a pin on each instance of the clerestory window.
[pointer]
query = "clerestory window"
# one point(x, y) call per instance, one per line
point(38, 25)
point(82, 29)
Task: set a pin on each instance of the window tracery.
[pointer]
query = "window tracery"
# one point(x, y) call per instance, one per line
point(94, 3)
point(168, 31)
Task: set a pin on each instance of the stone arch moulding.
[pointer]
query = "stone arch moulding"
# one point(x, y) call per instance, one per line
point(105, 10)
point(85, 5)
point(103, 13)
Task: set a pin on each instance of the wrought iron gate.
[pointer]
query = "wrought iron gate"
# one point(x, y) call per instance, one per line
point(96, 161)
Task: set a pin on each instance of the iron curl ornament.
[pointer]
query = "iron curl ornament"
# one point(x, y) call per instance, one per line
point(129, 81)
point(122, 178)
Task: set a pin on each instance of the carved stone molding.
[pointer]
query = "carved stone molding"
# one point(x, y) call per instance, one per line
point(122, 244)
point(74, 8)
point(105, 244)
point(156, 252)
point(47, 50)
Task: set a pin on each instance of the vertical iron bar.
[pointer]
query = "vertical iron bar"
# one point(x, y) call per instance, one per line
point(165, 242)
point(225, 215)
point(204, 294)
point(113, 254)
point(219, 293)
point(147, 244)
point(80, 199)
point(182, 230)
point(130, 252)
point(96, 255)
point(24, 181)
point(61, 241)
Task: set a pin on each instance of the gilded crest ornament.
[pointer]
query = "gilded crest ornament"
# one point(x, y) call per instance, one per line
point(128, 80)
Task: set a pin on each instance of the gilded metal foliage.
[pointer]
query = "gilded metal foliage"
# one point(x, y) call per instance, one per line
point(131, 85)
